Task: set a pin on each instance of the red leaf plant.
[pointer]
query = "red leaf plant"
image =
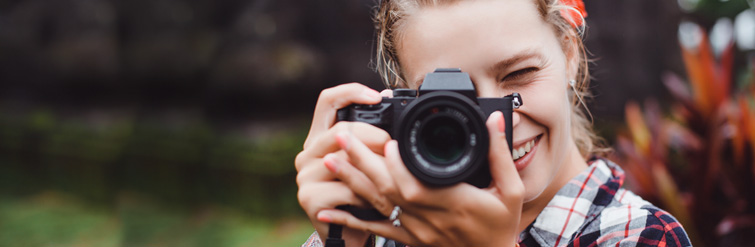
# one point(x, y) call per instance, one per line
point(696, 160)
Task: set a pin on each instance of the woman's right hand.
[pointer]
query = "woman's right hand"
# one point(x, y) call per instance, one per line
point(318, 188)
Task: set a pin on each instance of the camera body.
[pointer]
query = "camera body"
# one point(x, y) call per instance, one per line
point(440, 128)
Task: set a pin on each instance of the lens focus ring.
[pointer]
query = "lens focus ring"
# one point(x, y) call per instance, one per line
point(443, 138)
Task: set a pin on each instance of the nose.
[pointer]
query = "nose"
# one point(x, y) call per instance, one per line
point(485, 86)
point(515, 119)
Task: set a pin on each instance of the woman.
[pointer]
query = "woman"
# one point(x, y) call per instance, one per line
point(547, 194)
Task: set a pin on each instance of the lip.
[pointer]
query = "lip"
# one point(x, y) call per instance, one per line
point(519, 144)
point(525, 160)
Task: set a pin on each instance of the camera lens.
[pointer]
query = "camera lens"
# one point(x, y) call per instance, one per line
point(442, 140)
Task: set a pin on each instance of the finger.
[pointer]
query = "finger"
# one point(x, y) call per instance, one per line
point(381, 228)
point(373, 137)
point(502, 169)
point(410, 190)
point(404, 179)
point(332, 99)
point(325, 195)
point(358, 182)
point(318, 196)
point(364, 159)
point(314, 171)
point(387, 93)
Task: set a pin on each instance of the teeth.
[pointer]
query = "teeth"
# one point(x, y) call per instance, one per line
point(521, 151)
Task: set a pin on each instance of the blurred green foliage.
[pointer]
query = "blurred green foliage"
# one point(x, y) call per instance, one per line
point(54, 219)
point(129, 181)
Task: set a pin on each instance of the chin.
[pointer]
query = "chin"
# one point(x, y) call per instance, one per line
point(536, 180)
point(533, 190)
point(539, 174)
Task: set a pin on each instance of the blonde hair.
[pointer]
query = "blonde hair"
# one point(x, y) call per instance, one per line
point(389, 18)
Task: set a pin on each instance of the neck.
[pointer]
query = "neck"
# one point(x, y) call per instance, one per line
point(530, 210)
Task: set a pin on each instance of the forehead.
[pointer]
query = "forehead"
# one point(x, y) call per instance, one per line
point(469, 34)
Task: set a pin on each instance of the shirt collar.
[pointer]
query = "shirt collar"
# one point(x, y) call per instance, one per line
point(578, 201)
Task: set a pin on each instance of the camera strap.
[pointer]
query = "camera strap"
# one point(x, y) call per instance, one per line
point(334, 236)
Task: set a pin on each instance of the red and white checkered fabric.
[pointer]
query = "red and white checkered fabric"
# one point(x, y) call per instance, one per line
point(593, 210)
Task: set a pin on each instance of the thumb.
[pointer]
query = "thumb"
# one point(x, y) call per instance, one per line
point(502, 169)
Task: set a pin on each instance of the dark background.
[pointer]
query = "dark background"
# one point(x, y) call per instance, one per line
point(176, 122)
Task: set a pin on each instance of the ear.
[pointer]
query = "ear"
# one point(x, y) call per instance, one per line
point(572, 52)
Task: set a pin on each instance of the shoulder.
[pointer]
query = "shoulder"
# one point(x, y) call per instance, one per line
point(631, 221)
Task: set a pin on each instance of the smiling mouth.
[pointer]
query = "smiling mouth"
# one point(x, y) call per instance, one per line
point(525, 149)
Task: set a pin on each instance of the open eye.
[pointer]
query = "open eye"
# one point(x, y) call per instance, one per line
point(519, 74)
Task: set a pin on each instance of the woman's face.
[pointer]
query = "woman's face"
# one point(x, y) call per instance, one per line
point(506, 47)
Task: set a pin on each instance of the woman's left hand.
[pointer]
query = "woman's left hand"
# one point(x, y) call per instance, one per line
point(457, 215)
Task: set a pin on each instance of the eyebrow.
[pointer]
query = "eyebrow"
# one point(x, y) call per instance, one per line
point(519, 57)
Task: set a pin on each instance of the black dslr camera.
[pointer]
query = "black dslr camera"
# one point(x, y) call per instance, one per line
point(440, 130)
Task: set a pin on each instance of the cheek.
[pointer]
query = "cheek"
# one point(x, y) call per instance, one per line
point(554, 114)
point(549, 108)
point(548, 105)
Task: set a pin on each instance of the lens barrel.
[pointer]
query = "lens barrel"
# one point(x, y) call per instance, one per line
point(444, 139)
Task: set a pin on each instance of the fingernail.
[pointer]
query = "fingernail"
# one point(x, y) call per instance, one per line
point(331, 163)
point(324, 217)
point(343, 140)
point(501, 125)
point(371, 94)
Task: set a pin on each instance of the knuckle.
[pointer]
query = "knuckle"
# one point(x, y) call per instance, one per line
point(300, 160)
point(366, 228)
point(362, 126)
point(380, 205)
point(384, 137)
point(375, 133)
point(326, 94)
point(412, 194)
point(301, 179)
point(342, 126)
point(516, 191)
point(304, 198)
point(387, 190)
point(426, 238)
point(352, 84)
point(310, 175)
point(308, 141)
point(441, 224)
point(334, 93)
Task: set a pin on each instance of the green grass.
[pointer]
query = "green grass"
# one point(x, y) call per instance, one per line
point(55, 219)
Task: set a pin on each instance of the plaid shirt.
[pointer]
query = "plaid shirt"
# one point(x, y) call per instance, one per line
point(593, 210)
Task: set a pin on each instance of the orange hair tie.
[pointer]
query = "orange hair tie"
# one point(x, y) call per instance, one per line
point(576, 18)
